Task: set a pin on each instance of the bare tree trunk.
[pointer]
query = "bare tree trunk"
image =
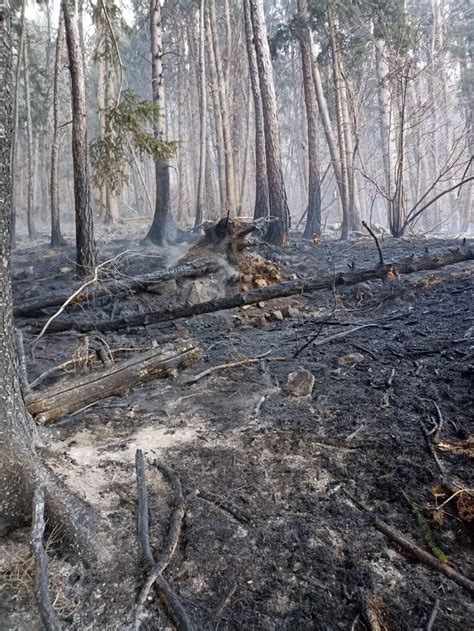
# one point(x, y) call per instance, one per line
point(217, 116)
point(203, 113)
point(86, 257)
point(278, 203)
point(56, 236)
point(262, 208)
point(328, 131)
point(224, 108)
point(243, 182)
point(339, 89)
point(30, 145)
point(16, 98)
point(162, 218)
point(313, 218)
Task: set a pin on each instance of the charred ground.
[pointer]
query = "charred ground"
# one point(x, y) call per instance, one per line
point(272, 541)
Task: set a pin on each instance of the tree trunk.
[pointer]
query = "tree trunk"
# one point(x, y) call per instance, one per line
point(278, 203)
point(328, 130)
point(56, 236)
point(30, 145)
point(313, 218)
point(21, 469)
point(162, 218)
point(217, 116)
point(86, 252)
point(203, 114)
point(14, 144)
point(224, 108)
point(261, 208)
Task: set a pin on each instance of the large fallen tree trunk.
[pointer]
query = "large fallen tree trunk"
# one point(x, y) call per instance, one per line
point(280, 290)
point(74, 394)
point(192, 269)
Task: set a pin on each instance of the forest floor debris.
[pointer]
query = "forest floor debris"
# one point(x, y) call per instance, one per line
point(299, 555)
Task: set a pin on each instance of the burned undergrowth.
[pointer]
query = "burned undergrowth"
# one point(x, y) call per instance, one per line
point(271, 538)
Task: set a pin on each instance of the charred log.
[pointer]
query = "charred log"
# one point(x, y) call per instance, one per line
point(280, 290)
point(73, 394)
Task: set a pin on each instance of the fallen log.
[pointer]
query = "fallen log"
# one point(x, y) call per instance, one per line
point(278, 290)
point(73, 394)
point(192, 269)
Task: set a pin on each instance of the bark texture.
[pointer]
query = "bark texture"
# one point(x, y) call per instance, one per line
point(56, 236)
point(279, 231)
point(86, 252)
point(262, 208)
point(162, 218)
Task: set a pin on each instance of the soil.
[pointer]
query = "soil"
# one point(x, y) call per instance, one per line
point(295, 552)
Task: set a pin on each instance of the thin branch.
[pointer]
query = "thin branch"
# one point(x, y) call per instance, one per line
point(331, 338)
point(155, 577)
point(71, 298)
point(434, 613)
point(374, 236)
point(411, 218)
point(48, 616)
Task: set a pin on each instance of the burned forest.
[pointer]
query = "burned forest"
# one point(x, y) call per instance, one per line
point(236, 326)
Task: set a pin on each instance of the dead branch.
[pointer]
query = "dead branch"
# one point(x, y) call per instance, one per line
point(408, 546)
point(374, 237)
point(331, 338)
point(277, 290)
point(143, 528)
point(48, 616)
point(235, 364)
point(73, 394)
point(155, 576)
point(229, 507)
point(433, 615)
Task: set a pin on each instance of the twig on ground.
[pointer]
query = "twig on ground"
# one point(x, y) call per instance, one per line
point(355, 432)
point(330, 338)
point(48, 616)
point(374, 236)
point(155, 577)
point(225, 505)
point(143, 529)
point(433, 615)
point(431, 448)
point(226, 600)
point(390, 379)
point(439, 425)
point(364, 349)
point(408, 546)
point(234, 364)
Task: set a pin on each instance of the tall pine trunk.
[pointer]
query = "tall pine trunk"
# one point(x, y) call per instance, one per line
point(313, 218)
point(279, 230)
point(262, 208)
point(86, 252)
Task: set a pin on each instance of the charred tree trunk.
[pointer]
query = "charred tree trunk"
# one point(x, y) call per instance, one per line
point(262, 208)
point(86, 252)
point(279, 231)
point(56, 236)
point(313, 218)
point(203, 113)
point(14, 143)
